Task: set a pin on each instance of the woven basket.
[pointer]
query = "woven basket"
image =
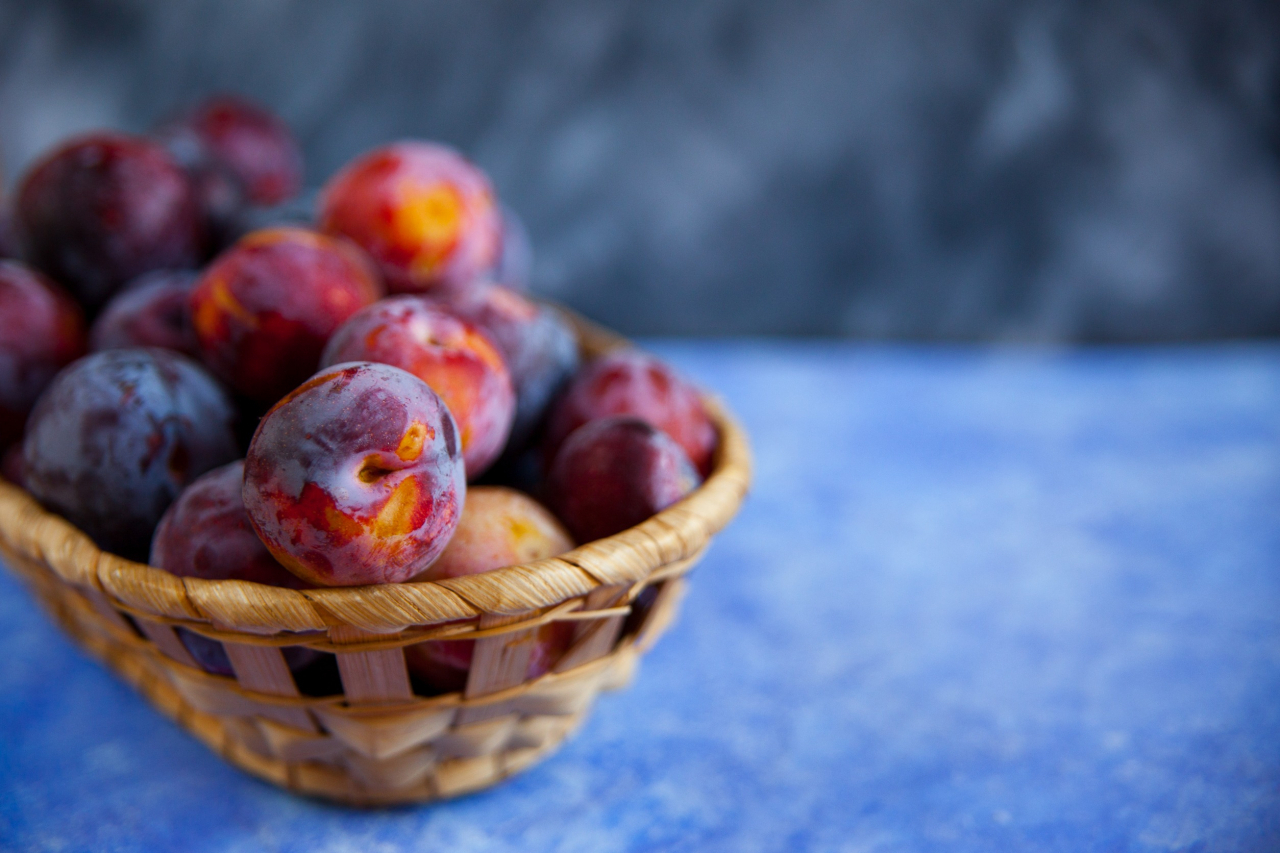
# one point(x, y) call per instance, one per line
point(369, 739)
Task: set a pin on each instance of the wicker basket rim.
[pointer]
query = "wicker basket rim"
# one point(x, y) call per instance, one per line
point(675, 533)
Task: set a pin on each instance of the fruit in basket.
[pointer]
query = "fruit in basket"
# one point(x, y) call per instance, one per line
point(356, 477)
point(41, 331)
point(499, 527)
point(238, 156)
point(103, 209)
point(455, 358)
point(116, 437)
point(538, 345)
point(264, 309)
point(206, 534)
point(241, 141)
point(613, 473)
point(426, 215)
point(629, 382)
point(150, 312)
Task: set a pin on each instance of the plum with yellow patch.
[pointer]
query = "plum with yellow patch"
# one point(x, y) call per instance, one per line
point(264, 309)
point(454, 357)
point(356, 477)
point(499, 527)
point(426, 215)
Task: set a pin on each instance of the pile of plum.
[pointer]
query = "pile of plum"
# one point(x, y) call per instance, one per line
point(301, 398)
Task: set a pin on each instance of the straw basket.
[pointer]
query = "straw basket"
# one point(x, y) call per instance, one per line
point(364, 737)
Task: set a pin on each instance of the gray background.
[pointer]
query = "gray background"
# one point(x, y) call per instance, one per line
point(957, 169)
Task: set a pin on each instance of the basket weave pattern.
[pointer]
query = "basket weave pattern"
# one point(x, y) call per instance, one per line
point(376, 742)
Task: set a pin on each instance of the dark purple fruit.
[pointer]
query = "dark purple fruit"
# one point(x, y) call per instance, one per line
point(41, 331)
point(242, 141)
point(118, 435)
point(613, 473)
point(630, 382)
point(151, 312)
point(104, 209)
point(239, 157)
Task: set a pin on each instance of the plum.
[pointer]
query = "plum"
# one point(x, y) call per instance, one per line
point(238, 156)
point(150, 312)
point(206, 534)
point(264, 309)
point(453, 356)
point(613, 473)
point(629, 382)
point(41, 331)
point(499, 527)
point(356, 477)
point(538, 345)
point(242, 141)
point(104, 209)
point(425, 214)
point(118, 435)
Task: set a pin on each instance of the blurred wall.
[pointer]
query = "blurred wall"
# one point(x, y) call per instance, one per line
point(956, 169)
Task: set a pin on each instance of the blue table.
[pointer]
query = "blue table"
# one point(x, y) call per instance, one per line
point(979, 600)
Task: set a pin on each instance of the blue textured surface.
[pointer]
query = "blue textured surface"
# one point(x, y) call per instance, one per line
point(979, 600)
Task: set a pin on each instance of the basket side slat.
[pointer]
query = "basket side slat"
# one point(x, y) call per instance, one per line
point(499, 662)
point(166, 640)
point(595, 638)
point(263, 669)
point(371, 677)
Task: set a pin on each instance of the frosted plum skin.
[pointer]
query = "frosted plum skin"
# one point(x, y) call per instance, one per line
point(356, 477)
point(454, 357)
point(103, 209)
point(118, 435)
point(41, 331)
point(613, 473)
point(629, 382)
